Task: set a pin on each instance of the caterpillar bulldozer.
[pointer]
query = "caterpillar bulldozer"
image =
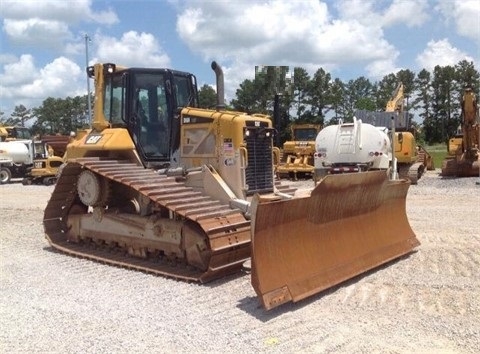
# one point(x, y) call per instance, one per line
point(297, 153)
point(162, 186)
point(463, 158)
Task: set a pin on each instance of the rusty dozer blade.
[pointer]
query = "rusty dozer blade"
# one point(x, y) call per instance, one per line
point(349, 224)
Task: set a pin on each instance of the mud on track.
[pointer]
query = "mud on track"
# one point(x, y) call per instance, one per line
point(425, 302)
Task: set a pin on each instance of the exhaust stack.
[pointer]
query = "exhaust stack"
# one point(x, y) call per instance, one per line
point(220, 86)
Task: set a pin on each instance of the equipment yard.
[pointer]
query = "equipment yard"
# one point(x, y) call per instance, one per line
point(426, 302)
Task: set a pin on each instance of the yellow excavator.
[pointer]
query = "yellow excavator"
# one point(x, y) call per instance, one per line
point(162, 186)
point(411, 159)
point(463, 158)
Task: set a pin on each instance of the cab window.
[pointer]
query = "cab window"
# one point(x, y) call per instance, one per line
point(114, 98)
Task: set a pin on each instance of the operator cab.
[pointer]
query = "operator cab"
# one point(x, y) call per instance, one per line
point(148, 102)
point(14, 133)
point(305, 134)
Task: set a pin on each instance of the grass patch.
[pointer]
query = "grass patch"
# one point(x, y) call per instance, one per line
point(438, 153)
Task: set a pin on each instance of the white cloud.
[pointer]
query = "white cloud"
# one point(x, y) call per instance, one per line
point(37, 32)
point(54, 10)
point(18, 73)
point(47, 23)
point(440, 53)
point(6, 58)
point(467, 17)
point(25, 84)
point(282, 33)
point(412, 13)
point(465, 14)
point(133, 49)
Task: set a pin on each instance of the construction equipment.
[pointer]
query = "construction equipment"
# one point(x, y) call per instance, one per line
point(10, 133)
point(33, 160)
point(350, 223)
point(297, 153)
point(162, 182)
point(49, 151)
point(351, 147)
point(161, 186)
point(16, 156)
point(410, 158)
point(463, 158)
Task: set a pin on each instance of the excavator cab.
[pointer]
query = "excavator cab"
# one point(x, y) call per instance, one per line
point(147, 103)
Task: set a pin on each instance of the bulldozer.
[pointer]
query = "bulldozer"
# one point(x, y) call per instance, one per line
point(297, 153)
point(463, 158)
point(162, 186)
point(49, 151)
point(410, 159)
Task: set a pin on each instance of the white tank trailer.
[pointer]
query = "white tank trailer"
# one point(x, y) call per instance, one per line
point(16, 157)
point(351, 147)
point(15, 151)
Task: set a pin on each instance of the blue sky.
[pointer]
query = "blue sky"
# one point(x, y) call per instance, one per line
point(43, 41)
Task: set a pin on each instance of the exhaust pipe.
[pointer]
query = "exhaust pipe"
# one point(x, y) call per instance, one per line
point(220, 86)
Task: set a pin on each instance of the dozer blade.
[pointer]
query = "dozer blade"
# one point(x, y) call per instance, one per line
point(349, 224)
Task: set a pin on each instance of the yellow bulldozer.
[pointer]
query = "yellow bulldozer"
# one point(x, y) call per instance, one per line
point(297, 154)
point(463, 158)
point(162, 186)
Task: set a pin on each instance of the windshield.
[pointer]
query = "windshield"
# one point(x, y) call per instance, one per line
point(151, 111)
point(18, 133)
point(114, 98)
point(305, 134)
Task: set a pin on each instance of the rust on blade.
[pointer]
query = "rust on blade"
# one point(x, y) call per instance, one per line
point(349, 224)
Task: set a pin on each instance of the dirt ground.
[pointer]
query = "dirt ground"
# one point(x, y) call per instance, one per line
point(428, 302)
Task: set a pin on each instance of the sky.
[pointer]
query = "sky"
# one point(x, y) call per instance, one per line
point(45, 44)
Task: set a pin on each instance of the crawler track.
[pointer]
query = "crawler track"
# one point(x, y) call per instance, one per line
point(227, 230)
point(412, 172)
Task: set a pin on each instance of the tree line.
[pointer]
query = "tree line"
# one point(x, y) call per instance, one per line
point(434, 97)
point(54, 116)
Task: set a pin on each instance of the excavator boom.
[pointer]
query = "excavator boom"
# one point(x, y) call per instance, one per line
point(350, 223)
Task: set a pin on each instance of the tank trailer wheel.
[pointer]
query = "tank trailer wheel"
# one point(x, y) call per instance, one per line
point(5, 175)
point(92, 189)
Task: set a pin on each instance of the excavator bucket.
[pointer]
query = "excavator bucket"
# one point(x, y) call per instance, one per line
point(349, 224)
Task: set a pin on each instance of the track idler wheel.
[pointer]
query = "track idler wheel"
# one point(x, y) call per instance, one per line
point(196, 246)
point(92, 189)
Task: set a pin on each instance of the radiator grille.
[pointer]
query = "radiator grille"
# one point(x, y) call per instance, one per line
point(259, 172)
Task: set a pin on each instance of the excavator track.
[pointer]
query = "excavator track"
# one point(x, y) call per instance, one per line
point(226, 230)
point(412, 172)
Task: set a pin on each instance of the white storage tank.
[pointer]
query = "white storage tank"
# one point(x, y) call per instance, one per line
point(352, 147)
point(15, 151)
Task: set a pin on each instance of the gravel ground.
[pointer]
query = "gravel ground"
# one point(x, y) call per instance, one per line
point(427, 302)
